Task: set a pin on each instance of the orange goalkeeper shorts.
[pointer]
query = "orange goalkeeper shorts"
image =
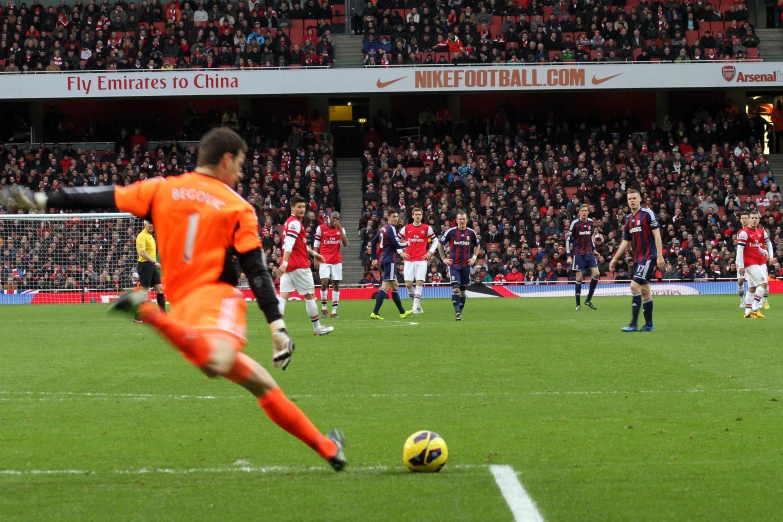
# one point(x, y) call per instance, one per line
point(218, 311)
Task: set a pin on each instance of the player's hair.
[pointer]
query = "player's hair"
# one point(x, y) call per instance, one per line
point(296, 199)
point(460, 211)
point(584, 206)
point(416, 209)
point(632, 191)
point(217, 142)
point(744, 213)
point(391, 213)
point(333, 216)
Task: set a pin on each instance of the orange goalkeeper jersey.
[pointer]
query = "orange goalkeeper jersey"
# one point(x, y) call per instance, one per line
point(199, 221)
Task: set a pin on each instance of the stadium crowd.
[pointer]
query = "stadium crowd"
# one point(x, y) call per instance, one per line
point(283, 159)
point(78, 36)
point(523, 185)
point(532, 31)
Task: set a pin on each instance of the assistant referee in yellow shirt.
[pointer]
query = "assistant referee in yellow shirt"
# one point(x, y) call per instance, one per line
point(148, 268)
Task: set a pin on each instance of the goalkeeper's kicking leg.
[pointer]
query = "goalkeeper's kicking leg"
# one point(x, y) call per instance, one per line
point(218, 354)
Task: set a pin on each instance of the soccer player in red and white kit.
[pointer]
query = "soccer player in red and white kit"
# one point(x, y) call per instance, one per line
point(741, 277)
point(294, 271)
point(330, 237)
point(754, 251)
point(417, 234)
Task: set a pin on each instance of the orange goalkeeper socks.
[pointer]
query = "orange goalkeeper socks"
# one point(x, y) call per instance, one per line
point(285, 414)
point(188, 340)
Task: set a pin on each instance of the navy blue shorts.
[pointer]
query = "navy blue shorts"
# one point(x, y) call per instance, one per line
point(644, 272)
point(460, 275)
point(583, 262)
point(388, 272)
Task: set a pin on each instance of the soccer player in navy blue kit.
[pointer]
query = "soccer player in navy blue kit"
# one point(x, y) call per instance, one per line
point(385, 247)
point(641, 231)
point(459, 260)
point(579, 244)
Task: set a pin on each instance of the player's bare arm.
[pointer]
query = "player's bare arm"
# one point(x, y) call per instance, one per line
point(316, 256)
point(281, 269)
point(317, 252)
point(443, 255)
point(472, 260)
point(343, 235)
point(659, 246)
point(620, 252)
point(148, 258)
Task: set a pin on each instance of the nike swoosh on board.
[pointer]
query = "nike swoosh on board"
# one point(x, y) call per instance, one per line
point(382, 85)
point(599, 81)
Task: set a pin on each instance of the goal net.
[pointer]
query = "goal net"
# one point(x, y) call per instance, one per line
point(66, 258)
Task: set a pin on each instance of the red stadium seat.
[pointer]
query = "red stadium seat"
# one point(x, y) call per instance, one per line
point(297, 27)
point(496, 26)
point(169, 60)
point(753, 53)
point(636, 53)
point(160, 27)
point(445, 54)
point(691, 36)
point(338, 14)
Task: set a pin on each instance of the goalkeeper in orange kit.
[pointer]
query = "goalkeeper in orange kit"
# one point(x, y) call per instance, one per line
point(202, 225)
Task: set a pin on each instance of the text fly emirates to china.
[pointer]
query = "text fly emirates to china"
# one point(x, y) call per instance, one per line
point(150, 83)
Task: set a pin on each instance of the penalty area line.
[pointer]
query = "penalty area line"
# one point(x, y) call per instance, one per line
point(522, 506)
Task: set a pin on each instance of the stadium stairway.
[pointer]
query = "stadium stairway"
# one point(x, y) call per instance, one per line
point(348, 51)
point(771, 45)
point(776, 164)
point(350, 179)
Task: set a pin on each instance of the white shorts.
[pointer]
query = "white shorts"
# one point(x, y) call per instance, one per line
point(756, 275)
point(300, 280)
point(331, 272)
point(415, 270)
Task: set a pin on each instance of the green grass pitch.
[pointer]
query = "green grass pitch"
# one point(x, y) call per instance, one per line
point(680, 424)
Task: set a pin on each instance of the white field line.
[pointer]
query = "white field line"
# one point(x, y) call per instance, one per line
point(522, 506)
point(9, 395)
point(195, 471)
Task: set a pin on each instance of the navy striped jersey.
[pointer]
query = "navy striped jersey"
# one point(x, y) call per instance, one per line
point(385, 245)
point(638, 230)
point(580, 238)
point(461, 244)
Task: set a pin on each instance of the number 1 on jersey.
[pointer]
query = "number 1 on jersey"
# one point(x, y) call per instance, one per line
point(190, 237)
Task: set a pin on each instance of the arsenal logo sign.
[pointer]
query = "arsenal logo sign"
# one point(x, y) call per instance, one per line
point(729, 71)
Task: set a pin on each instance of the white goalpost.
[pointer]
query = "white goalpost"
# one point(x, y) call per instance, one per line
point(66, 258)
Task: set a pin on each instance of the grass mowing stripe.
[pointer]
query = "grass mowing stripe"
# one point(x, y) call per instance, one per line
point(520, 503)
point(64, 396)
